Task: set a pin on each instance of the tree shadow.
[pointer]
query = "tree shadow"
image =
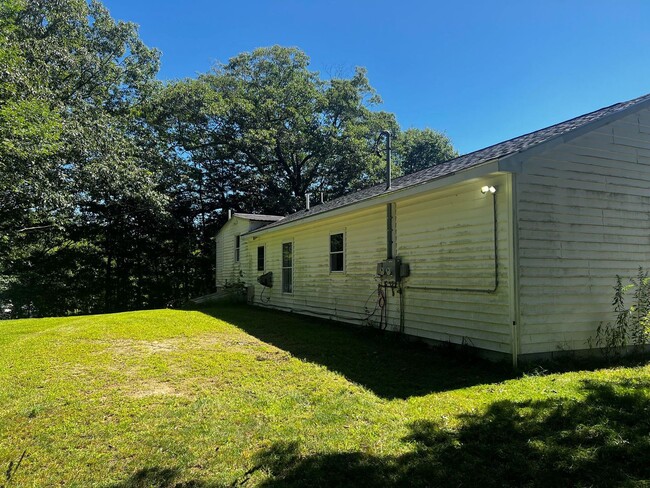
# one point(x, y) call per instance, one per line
point(601, 440)
point(157, 477)
point(386, 363)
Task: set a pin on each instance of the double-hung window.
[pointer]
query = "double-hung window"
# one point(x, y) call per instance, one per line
point(337, 252)
point(287, 267)
point(237, 244)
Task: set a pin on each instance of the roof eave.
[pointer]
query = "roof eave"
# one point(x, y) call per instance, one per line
point(483, 169)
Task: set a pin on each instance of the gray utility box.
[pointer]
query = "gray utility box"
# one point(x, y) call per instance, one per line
point(392, 270)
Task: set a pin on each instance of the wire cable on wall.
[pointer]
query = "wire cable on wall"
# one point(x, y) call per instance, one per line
point(262, 298)
point(381, 303)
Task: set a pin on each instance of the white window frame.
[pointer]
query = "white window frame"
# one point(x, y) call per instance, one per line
point(237, 247)
point(330, 253)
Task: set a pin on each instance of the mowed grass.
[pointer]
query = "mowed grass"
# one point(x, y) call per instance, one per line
point(237, 396)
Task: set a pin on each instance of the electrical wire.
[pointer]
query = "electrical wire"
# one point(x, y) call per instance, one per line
point(381, 303)
point(262, 299)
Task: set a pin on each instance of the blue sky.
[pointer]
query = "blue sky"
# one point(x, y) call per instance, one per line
point(481, 72)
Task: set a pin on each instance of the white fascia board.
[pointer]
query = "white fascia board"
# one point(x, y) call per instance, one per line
point(475, 172)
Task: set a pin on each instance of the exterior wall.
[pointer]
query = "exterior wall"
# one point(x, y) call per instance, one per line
point(336, 295)
point(458, 290)
point(583, 215)
point(447, 237)
point(229, 270)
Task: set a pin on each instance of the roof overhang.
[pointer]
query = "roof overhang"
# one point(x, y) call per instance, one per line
point(482, 170)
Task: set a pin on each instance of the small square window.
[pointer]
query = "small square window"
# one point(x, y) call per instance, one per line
point(337, 252)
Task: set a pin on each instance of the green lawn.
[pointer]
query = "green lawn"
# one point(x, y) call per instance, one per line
point(236, 396)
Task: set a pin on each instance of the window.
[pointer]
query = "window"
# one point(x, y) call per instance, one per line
point(260, 258)
point(287, 267)
point(237, 242)
point(336, 252)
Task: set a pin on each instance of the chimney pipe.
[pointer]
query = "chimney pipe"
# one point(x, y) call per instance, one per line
point(389, 181)
point(307, 195)
point(322, 197)
point(229, 214)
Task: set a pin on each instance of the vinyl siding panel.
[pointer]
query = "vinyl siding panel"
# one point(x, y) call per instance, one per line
point(228, 270)
point(583, 217)
point(335, 295)
point(447, 237)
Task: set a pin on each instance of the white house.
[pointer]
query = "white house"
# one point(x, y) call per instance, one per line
point(512, 249)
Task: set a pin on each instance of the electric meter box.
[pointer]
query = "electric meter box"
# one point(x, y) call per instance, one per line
point(392, 270)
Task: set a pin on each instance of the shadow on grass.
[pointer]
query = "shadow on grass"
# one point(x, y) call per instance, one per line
point(602, 440)
point(386, 363)
point(156, 477)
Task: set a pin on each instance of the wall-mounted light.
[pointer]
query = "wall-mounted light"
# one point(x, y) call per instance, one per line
point(490, 189)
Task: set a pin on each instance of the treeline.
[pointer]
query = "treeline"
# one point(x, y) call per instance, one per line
point(113, 184)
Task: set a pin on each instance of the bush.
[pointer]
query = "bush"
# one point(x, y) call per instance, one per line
point(632, 325)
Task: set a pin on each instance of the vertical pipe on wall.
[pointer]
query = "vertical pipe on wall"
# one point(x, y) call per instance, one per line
point(513, 267)
point(389, 231)
point(389, 148)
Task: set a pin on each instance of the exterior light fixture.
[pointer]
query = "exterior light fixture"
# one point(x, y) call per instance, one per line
point(488, 189)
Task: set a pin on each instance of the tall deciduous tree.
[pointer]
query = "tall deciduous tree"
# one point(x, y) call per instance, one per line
point(76, 174)
point(266, 127)
point(416, 149)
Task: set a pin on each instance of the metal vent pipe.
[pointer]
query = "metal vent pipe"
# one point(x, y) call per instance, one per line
point(389, 147)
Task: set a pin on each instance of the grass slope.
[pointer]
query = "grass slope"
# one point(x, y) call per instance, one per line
point(237, 396)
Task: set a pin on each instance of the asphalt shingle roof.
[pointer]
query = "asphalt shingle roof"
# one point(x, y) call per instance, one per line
point(470, 160)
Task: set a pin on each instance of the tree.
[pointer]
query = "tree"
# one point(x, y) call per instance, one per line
point(78, 177)
point(416, 149)
point(265, 128)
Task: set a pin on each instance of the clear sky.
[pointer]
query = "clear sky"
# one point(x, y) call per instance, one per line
point(481, 72)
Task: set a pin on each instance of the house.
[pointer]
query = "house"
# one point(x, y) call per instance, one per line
point(231, 247)
point(512, 249)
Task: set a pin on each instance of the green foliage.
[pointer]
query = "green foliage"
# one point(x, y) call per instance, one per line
point(416, 149)
point(236, 290)
point(89, 215)
point(631, 326)
point(263, 130)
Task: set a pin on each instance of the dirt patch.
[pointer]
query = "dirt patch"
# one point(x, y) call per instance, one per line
point(149, 388)
point(129, 346)
point(276, 356)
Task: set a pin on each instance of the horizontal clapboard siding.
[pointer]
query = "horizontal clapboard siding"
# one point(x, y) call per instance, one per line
point(583, 217)
point(447, 237)
point(339, 296)
point(228, 270)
